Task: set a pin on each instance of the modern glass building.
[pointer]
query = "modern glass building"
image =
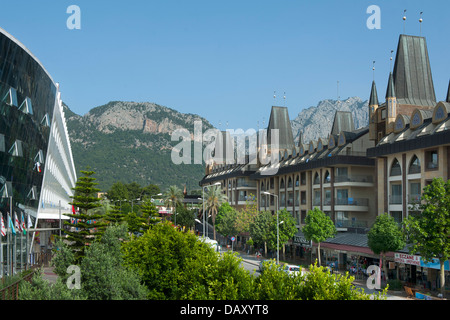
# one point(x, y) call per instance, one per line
point(37, 171)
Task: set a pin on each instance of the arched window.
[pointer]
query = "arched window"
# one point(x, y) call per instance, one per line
point(396, 170)
point(327, 178)
point(414, 167)
point(316, 178)
point(282, 183)
point(290, 182)
point(262, 186)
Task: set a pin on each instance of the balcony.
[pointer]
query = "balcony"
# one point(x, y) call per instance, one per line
point(352, 202)
point(246, 184)
point(351, 224)
point(354, 179)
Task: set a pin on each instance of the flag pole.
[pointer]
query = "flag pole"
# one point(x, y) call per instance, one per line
point(1, 246)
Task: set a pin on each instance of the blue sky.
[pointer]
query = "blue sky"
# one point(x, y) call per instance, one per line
point(223, 59)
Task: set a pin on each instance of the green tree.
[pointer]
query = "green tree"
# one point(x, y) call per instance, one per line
point(118, 192)
point(103, 274)
point(316, 284)
point(149, 211)
point(226, 220)
point(172, 197)
point(88, 226)
point(385, 236)
point(114, 215)
point(286, 231)
point(214, 199)
point(429, 232)
point(260, 229)
point(318, 227)
point(247, 215)
point(177, 265)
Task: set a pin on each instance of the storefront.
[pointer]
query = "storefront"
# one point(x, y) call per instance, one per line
point(414, 270)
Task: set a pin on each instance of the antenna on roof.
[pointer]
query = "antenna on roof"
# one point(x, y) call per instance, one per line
point(404, 20)
point(390, 61)
point(420, 22)
point(373, 70)
point(338, 97)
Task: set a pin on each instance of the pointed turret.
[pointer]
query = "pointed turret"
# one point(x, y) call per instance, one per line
point(391, 104)
point(448, 93)
point(373, 106)
point(390, 92)
point(373, 100)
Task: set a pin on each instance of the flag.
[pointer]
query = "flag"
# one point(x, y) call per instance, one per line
point(30, 224)
point(16, 222)
point(3, 228)
point(11, 225)
point(23, 225)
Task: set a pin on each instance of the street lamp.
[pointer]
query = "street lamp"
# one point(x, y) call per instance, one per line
point(278, 225)
point(203, 203)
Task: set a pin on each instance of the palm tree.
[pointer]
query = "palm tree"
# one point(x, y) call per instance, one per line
point(214, 199)
point(173, 196)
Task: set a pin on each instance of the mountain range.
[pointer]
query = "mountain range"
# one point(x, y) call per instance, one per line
point(131, 141)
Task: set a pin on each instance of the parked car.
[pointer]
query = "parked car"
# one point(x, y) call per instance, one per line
point(292, 269)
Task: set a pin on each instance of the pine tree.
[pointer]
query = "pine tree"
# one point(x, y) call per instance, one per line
point(115, 215)
point(86, 227)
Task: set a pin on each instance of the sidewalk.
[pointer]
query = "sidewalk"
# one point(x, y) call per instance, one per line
point(49, 275)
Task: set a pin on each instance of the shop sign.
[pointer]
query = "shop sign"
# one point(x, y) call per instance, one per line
point(418, 261)
point(300, 239)
point(407, 259)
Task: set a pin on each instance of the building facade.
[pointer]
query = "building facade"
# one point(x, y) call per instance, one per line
point(354, 175)
point(37, 172)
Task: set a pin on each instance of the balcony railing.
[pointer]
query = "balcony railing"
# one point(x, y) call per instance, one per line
point(414, 198)
point(351, 224)
point(354, 178)
point(395, 199)
point(352, 202)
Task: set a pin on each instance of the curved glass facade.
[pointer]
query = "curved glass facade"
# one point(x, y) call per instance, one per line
point(37, 172)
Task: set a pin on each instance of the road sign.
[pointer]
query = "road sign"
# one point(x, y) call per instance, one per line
point(233, 238)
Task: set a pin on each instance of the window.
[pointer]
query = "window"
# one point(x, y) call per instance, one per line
point(327, 177)
point(316, 198)
point(396, 170)
point(297, 182)
point(342, 219)
point(316, 178)
point(26, 106)
point(327, 197)
point(396, 194)
point(303, 178)
point(342, 173)
point(414, 192)
point(282, 183)
point(415, 166)
point(303, 197)
point(11, 97)
point(342, 197)
point(397, 215)
point(16, 149)
point(290, 182)
point(432, 159)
